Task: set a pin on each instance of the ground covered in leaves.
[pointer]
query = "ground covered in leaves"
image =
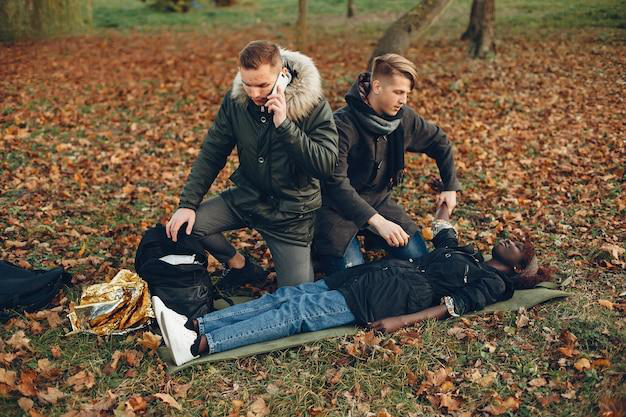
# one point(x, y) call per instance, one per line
point(98, 133)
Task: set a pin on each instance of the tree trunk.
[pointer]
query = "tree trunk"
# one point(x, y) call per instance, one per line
point(409, 28)
point(350, 12)
point(224, 3)
point(35, 19)
point(480, 31)
point(302, 29)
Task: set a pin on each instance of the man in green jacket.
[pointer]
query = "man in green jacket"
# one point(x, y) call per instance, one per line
point(286, 142)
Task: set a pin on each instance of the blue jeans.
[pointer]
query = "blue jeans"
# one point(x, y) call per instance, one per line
point(353, 256)
point(304, 308)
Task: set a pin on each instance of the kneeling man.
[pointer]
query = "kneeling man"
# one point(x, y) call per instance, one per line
point(375, 129)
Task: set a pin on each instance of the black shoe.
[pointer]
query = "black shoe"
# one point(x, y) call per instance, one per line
point(251, 273)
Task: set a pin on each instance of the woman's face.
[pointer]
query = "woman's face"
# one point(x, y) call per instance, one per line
point(508, 252)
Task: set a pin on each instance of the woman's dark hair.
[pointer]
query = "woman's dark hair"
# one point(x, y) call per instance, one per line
point(532, 274)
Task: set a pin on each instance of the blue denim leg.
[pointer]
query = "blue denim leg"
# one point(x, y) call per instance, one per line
point(352, 257)
point(252, 308)
point(411, 251)
point(307, 312)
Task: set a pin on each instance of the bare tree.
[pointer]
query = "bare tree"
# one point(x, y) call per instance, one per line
point(480, 31)
point(409, 28)
point(350, 12)
point(35, 19)
point(302, 30)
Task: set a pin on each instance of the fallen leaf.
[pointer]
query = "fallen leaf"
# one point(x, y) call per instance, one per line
point(606, 303)
point(169, 400)
point(54, 320)
point(582, 364)
point(55, 351)
point(27, 383)
point(137, 403)
point(570, 395)
point(19, 341)
point(601, 363)
point(411, 378)
point(487, 380)
point(7, 377)
point(383, 413)
point(133, 357)
point(150, 341)
point(502, 406)
point(53, 395)
point(115, 359)
point(522, 320)
point(81, 380)
point(234, 412)
point(25, 403)
point(446, 386)
point(537, 382)
point(46, 369)
point(450, 403)
point(180, 390)
point(258, 408)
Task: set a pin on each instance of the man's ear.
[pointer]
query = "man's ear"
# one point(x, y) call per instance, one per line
point(376, 86)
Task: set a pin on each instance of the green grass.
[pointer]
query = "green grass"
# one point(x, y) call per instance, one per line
point(370, 14)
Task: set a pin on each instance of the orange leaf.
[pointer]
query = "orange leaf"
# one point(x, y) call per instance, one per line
point(582, 364)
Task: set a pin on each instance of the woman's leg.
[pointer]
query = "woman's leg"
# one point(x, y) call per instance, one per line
point(252, 308)
point(307, 312)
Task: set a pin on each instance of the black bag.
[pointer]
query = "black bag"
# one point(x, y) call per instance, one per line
point(186, 288)
point(24, 290)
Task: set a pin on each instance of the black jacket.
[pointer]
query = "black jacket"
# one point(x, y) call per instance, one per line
point(391, 288)
point(358, 187)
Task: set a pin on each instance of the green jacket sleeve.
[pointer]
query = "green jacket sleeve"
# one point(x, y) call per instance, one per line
point(428, 138)
point(217, 145)
point(314, 150)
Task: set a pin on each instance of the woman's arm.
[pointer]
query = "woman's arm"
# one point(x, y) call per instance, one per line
point(391, 324)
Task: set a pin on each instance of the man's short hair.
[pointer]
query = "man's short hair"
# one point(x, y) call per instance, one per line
point(257, 53)
point(394, 64)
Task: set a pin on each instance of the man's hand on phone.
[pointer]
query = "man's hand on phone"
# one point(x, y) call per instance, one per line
point(277, 104)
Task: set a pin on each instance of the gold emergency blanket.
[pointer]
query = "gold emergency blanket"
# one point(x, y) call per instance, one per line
point(114, 307)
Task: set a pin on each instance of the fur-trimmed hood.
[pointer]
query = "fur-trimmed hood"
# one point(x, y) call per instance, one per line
point(303, 93)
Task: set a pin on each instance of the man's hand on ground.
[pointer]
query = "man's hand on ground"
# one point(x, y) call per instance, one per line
point(277, 104)
point(449, 197)
point(393, 234)
point(180, 217)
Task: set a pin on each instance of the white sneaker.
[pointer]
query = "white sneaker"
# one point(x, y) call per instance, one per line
point(180, 338)
point(159, 306)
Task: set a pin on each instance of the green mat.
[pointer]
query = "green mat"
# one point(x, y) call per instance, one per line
point(522, 298)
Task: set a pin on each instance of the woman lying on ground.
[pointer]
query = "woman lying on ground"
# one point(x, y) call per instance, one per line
point(387, 295)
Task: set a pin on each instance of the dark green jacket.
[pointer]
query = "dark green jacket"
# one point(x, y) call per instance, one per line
point(277, 187)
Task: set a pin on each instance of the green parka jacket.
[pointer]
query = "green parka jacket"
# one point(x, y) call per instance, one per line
point(276, 186)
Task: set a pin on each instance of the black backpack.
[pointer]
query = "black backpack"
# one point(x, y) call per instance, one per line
point(186, 288)
point(25, 290)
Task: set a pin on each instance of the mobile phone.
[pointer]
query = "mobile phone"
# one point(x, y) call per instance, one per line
point(283, 79)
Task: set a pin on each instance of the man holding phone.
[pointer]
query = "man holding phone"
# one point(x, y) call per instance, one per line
point(283, 128)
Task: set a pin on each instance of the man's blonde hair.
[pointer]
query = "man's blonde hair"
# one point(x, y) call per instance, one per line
point(394, 64)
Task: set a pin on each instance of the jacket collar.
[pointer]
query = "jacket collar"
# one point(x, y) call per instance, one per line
point(304, 91)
